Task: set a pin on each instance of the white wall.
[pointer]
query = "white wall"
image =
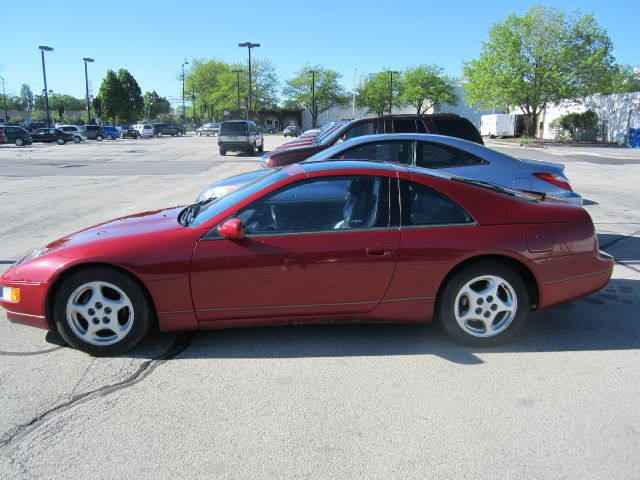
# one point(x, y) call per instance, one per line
point(617, 113)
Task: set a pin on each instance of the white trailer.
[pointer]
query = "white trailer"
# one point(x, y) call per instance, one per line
point(498, 125)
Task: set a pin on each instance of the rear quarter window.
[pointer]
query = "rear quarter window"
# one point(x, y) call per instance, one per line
point(423, 206)
point(457, 127)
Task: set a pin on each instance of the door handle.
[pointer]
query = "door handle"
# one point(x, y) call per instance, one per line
point(379, 250)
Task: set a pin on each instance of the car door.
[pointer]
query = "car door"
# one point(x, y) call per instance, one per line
point(319, 246)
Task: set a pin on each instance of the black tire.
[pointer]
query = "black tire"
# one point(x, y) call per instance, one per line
point(223, 152)
point(19, 142)
point(261, 147)
point(452, 301)
point(77, 139)
point(179, 134)
point(252, 150)
point(109, 136)
point(159, 134)
point(60, 141)
point(141, 318)
point(99, 138)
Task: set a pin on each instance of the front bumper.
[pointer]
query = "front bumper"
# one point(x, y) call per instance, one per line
point(30, 310)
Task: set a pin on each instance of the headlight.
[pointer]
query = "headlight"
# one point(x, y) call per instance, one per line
point(35, 254)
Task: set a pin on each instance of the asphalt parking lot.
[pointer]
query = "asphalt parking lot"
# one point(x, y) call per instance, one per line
point(336, 401)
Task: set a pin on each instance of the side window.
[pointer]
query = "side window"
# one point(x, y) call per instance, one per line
point(403, 125)
point(432, 155)
point(393, 151)
point(366, 128)
point(423, 206)
point(338, 203)
point(457, 127)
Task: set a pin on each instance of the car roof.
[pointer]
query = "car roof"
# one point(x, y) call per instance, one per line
point(338, 165)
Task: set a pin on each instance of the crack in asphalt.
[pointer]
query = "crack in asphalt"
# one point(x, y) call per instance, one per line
point(144, 370)
point(27, 354)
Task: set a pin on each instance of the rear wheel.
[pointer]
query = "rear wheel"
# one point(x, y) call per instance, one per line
point(99, 138)
point(77, 139)
point(252, 149)
point(223, 152)
point(60, 141)
point(179, 133)
point(109, 136)
point(159, 134)
point(484, 304)
point(102, 311)
point(19, 142)
point(261, 147)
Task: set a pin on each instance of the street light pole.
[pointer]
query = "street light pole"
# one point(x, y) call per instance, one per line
point(86, 84)
point(249, 46)
point(44, 48)
point(4, 94)
point(313, 98)
point(391, 72)
point(184, 116)
point(354, 93)
point(238, 72)
point(193, 102)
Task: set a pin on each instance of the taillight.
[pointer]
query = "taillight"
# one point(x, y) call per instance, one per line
point(557, 180)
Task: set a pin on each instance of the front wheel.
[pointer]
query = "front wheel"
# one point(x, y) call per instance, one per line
point(261, 147)
point(77, 139)
point(99, 138)
point(223, 152)
point(159, 134)
point(102, 311)
point(19, 142)
point(109, 137)
point(252, 149)
point(179, 134)
point(484, 304)
point(60, 141)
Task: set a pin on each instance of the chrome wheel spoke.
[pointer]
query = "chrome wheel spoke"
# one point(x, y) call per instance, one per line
point(100, 313)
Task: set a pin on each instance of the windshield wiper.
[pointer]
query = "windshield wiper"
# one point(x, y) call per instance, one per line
point(189, 214)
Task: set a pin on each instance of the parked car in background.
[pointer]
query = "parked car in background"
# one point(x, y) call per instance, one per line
point(33, 126)
point(339, 131)
point(146, 130)
point(292, 131)
point(18, 135)
point(3, 138)
point(111, 132)
point(457, 157)
point(46, 135)
point(358, 241)
point(208, 129)
point(240, 136)
point(312, 133)
point(268, 128)
point(77, 132)
point(129, 132)
point(94, 132)
point(160, 129)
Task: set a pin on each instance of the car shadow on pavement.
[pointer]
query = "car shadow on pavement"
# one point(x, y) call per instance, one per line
point(606, 320)
point(624, 248)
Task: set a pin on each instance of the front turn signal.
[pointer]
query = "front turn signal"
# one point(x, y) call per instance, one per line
point(11, 294)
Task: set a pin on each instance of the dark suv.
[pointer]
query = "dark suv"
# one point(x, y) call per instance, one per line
point(240, 136)
point(439, 123)
point(17, 135)
point(160, 129)
point(95, 132)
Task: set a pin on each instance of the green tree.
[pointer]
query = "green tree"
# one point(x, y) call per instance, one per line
point(114, 98)
point(57, 100)
point(214, 85)
point(135, 104)
point(625, 79)
point(426, 86)
point(155, 105)
point(264, 84)
point(328, 92)
point(542, 57)
point(27, 98)
point(374, 94)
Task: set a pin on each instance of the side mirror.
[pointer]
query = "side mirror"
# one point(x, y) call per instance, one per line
point(233, 229)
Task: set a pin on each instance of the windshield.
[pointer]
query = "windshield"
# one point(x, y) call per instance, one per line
point(234, 128)
point(327, 130)
point(205, 210)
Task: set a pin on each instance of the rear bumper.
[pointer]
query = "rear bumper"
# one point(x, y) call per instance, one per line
point(569, 289)
point(570, 197)
point(235, 146)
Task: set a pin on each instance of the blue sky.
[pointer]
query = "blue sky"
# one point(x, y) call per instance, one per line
point(152, 39)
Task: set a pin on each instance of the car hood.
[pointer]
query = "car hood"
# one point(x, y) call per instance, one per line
point(133, 225)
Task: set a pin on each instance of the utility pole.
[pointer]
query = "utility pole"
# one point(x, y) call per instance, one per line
point(4, 94)
point(354, 93)
point(391, 72)
point(249, 46)
point(184, 116)
point(44, 48)
point(86, 84)
point(313, 98)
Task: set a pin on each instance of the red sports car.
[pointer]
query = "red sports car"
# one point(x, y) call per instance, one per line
point(319, 242)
